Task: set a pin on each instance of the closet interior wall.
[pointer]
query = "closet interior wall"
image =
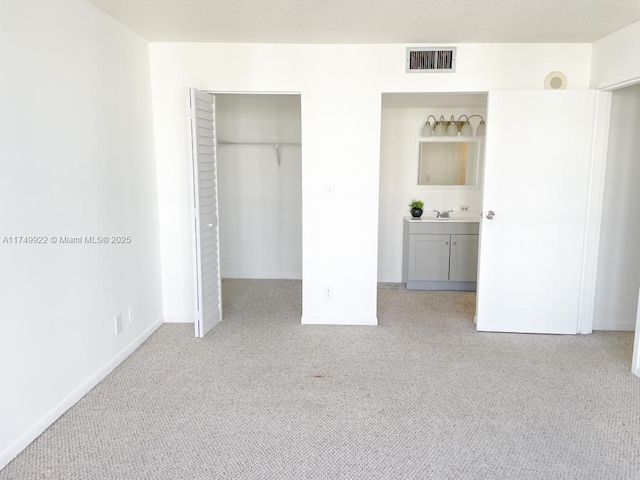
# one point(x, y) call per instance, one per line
point(618, 278)
point(260, 199)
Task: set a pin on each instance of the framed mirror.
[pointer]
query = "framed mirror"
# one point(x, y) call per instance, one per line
point(447, 162)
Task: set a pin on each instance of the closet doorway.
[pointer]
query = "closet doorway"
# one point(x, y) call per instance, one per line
point(247, 201)
point(258, 163)
point(617, 302)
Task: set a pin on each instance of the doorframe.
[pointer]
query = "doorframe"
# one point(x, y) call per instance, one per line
point(635, 362)
point(267, 92)
point(596, 202)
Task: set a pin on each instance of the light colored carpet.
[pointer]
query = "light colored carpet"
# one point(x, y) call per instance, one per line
point(421, 396)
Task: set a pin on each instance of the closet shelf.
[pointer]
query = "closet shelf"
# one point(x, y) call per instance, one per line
point(275, 145)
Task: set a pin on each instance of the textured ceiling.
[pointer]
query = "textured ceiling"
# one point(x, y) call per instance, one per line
point(373, 21)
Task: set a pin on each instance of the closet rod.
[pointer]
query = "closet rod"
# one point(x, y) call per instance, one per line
point(275, 145)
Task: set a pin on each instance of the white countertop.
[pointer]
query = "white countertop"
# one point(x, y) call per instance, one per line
point(468, 217)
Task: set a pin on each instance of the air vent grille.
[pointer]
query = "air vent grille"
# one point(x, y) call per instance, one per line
point(431, 60)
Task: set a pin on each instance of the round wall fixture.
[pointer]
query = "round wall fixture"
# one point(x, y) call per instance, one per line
point(555, 81)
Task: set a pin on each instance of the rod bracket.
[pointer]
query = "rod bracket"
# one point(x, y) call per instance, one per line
point(277, 147)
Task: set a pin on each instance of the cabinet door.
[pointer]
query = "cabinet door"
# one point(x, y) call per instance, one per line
point(429, 257)
point(463, 264)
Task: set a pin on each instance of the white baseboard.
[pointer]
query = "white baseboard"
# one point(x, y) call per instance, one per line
point(178, 319)
point(307, 320)
point(263, 275)
point(70, 400)
point(621, 326)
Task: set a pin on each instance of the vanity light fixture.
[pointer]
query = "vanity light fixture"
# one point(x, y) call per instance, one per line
point(453, 127)
point(479, 130)
point(441, 127)
point(427, 130)
point(466, 130)
point(469, 130)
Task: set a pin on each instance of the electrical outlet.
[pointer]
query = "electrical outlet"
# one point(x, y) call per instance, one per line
point(464, 208)
point(118, 321)
point(327, 292)
point(131, 316)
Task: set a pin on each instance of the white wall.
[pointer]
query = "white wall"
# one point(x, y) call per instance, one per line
point(615, 60)
point(400, 128)
point(260, 204)
point(619, 258)
point(76, 143)
point(341, 88)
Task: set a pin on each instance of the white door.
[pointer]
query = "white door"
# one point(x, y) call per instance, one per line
point(208, 298)
point(536, 182)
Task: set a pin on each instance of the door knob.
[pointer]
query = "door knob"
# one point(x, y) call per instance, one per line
point(490, 215)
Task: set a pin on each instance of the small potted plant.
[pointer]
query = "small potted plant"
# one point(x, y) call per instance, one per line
point(416, 208)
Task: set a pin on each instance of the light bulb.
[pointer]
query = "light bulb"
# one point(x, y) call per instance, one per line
point(441, 129)
point(466, 130)
point(452, 130)
point(427, 130)
point(480, 129)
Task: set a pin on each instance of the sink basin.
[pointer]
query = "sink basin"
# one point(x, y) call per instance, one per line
point(431, 218)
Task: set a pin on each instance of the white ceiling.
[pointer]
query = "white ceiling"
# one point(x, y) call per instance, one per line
point(373, 21)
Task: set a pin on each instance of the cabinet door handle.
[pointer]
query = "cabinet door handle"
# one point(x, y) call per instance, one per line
point(453, 243)
point(446, 243)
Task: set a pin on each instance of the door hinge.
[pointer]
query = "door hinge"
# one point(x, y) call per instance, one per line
point(195, 212)
point(190, 113)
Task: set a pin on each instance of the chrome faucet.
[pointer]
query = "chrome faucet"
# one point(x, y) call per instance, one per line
point(444, 214)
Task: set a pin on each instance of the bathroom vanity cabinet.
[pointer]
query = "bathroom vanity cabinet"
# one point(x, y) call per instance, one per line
point(440, 254)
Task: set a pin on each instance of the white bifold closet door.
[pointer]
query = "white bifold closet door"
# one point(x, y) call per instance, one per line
point(536, 190)
point(208, 292)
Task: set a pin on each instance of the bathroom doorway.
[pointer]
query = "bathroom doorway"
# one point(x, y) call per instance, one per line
point(405, 177)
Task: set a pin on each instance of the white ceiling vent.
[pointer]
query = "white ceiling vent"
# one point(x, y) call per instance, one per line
point(427, 60)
